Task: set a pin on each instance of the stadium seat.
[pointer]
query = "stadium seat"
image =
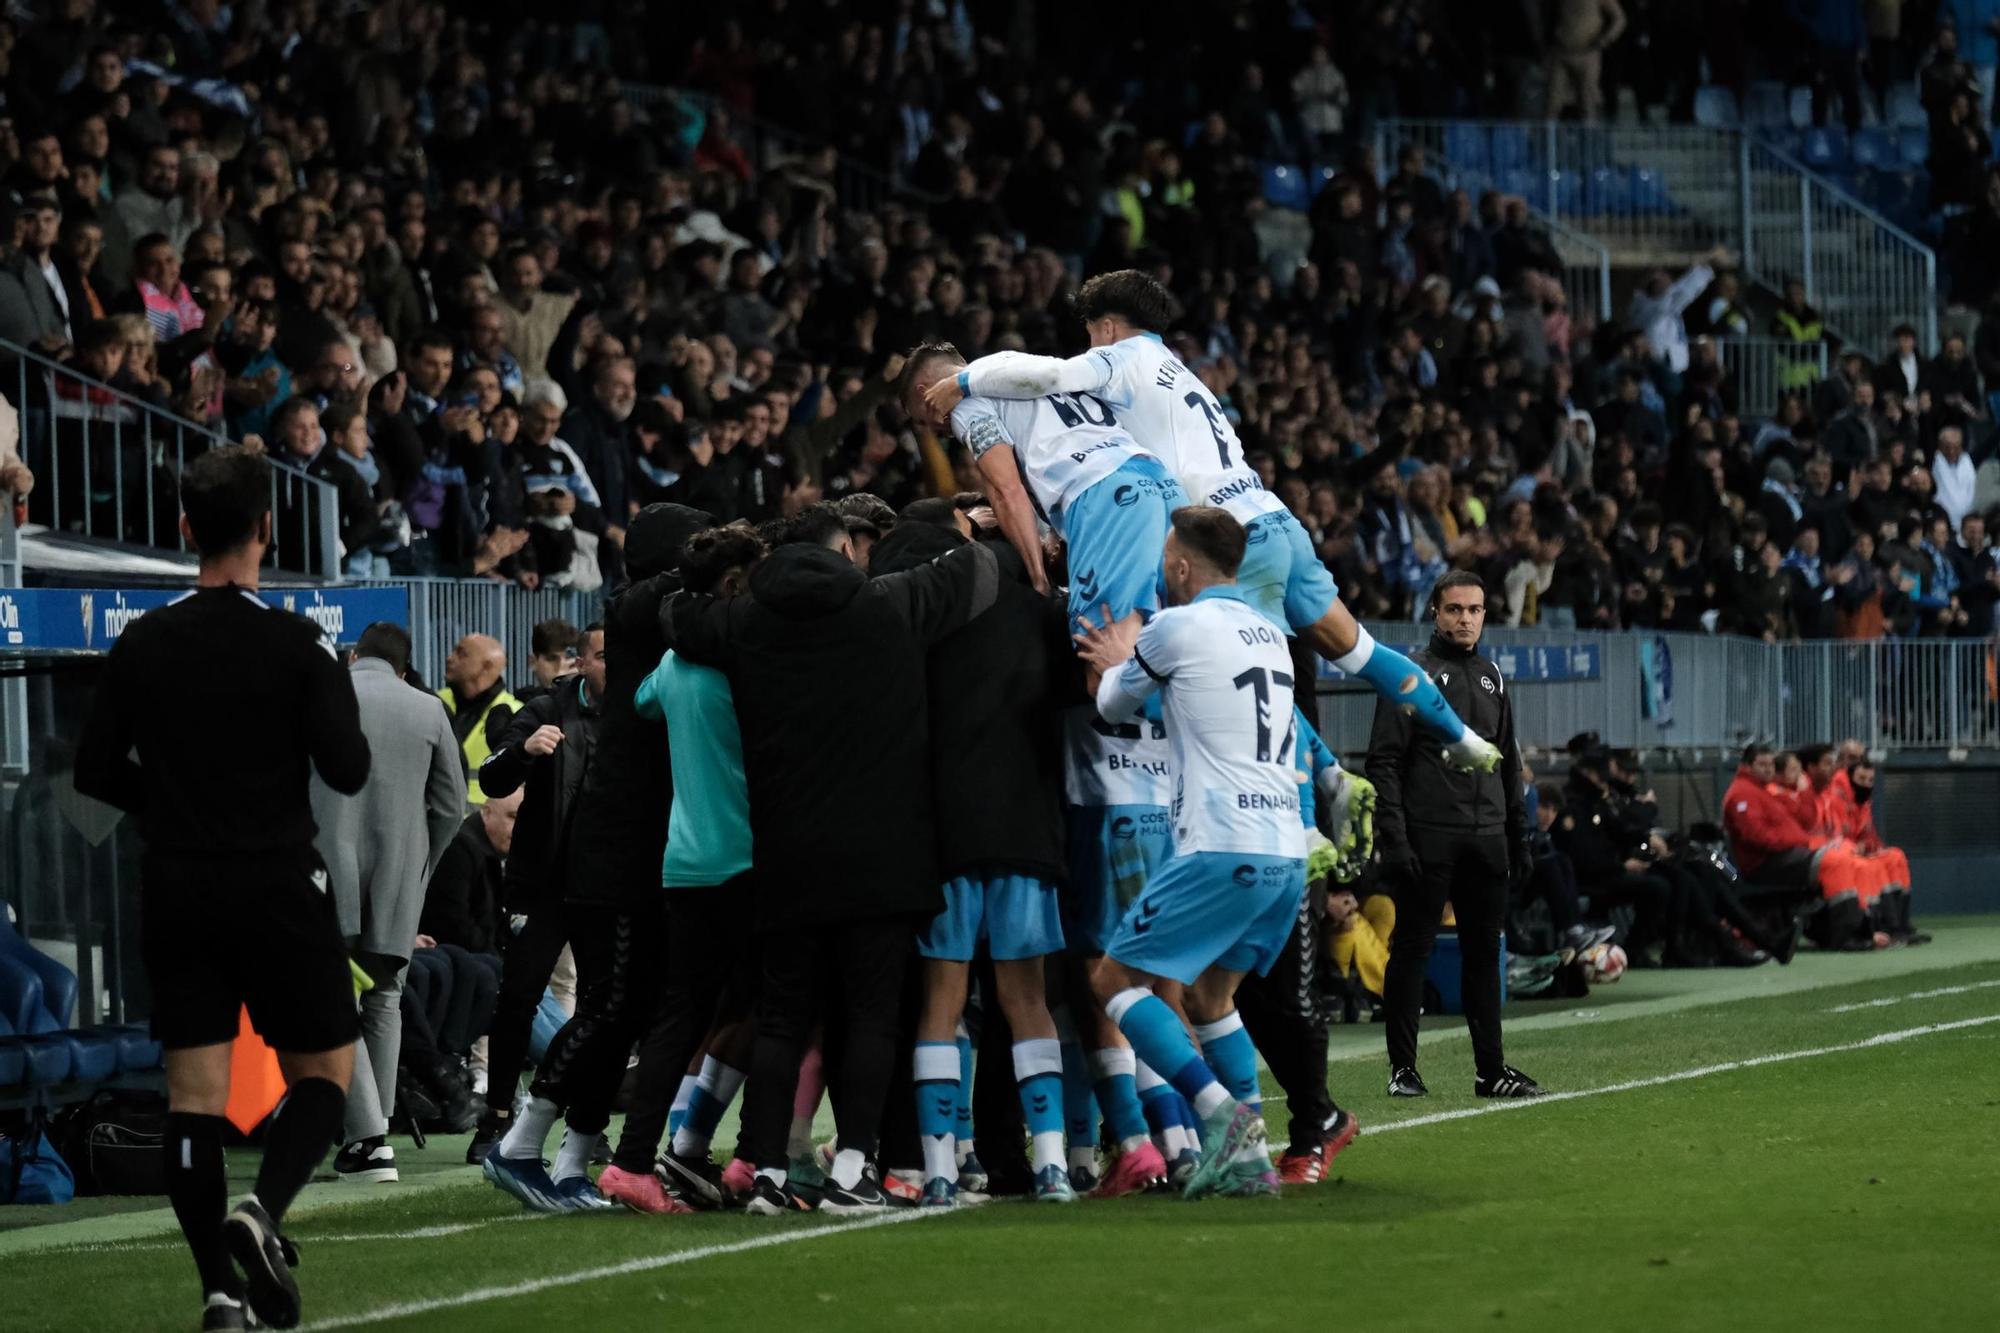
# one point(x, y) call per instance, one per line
point(58, 982)
point(1285, 187)
point(1873, 148)
point(1511, 149)
point(1798, 105)
point(1716, 108)
point(137, 1051)
point(1605, 193)
point(1468, 148)
point(1786, 140)
point(93, 1056)
point(13, 1063)
point(1320, 177)
point(1648, 193)
point(1913, 145)
point(1764, 106)
point(1824, 147)
point(1905, 110)
point(1571, 200)
point(43, 1060)
point(1530, 184)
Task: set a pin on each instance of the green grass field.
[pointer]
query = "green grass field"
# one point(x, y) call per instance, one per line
point(1797, 1148)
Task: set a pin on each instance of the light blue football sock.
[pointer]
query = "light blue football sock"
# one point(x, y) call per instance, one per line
point(1112, 1070)
point(1401, 681)
point(1229, 1052)
point(1038, 1071)
point(964, 1095)
point(1158, 1038)
point(934, 1071)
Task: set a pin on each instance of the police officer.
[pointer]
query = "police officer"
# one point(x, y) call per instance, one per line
point(234, 905)
point(1450, 837)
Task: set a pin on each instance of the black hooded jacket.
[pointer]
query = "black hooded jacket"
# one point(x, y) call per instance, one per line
point(997, 688)
point(620, 829)
point(828, 673)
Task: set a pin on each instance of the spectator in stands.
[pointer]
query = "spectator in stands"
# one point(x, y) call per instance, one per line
point(1839, 36)
point(1657, 309)
point(1319, 91)
point(17, 481)
point(152, 204)
point(1953, 475)
point(1580, 32)
point(30, 314)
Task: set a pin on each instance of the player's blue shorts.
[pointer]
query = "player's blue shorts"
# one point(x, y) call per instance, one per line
point(1016, 915)
point(1117, 533)
point(1113, 851)
point(1282, 576)
point(1211, 909)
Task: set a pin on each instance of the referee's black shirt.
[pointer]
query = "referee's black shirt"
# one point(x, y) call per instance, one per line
point(229, 704)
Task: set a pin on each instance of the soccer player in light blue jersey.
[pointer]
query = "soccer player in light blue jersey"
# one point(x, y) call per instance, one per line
point(1171, 414)
point(1224, 904)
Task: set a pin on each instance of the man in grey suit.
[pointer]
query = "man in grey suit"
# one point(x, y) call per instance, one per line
point(380, 846)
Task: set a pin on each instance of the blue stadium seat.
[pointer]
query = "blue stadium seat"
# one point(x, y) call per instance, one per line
point(1798, 108)
point(1649, 193)
point(43, 1060)
point(1530, 184)
point(137, 1051)
point(1825, 147)
point(1872, 148)
point(1764, 106)
point(1285, 187)
point(1905, 110)
point(1715, 107)
point(1320, 177)
point(93, 1056)
point(1605, 193)
point(58, 982)
point(1570, 189)
point(1913, 145)
point(13, 1063)
point(1468, 148)
point(1511, 148)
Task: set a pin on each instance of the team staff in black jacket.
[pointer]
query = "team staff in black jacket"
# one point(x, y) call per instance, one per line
point(235, 909)
point(612, 906)
point(996, 687)
point(827, 669)
point(1450, 837)
point(547, 748)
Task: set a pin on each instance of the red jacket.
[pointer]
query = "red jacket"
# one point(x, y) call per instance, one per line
point(1758, 824)
point(1847, 817)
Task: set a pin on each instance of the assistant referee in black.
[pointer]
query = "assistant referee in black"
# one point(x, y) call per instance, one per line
point(214, 762)
point(1453, 837)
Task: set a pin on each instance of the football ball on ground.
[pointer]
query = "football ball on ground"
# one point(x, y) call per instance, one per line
point(1603, 963)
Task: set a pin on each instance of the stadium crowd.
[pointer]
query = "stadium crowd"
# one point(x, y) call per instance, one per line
point(499, 301)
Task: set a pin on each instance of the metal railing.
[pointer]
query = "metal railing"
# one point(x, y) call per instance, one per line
point(1718, 693)
point(856, 185)
point(442, 610)
point(1670, 194)
point(108, 465)
point(1586, 266)
point(1865, 274)
point(1765, 369)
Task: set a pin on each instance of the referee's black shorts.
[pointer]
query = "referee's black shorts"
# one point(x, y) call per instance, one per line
point(221, 934)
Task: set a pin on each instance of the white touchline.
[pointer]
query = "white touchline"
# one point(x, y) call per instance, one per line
point(308, 1238)
point(1680, 1076)
point(630, 1266)
point(651, 1262)
point(1913, 995)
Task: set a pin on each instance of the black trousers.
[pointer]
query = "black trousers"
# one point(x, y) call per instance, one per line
point(1282, 1014)
point(1470, 872)
point(525, 967)
point(709, 981)
point(618, 982)
point(1554, 882)
point(851, 976)
point(1657, 908)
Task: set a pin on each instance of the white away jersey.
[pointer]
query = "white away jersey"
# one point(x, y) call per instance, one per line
point(1125, 764)
point(1162, 404)
point(1226, 674)
point(1065, 442)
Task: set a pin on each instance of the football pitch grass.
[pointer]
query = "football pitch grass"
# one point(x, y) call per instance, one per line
point(1797, 1148)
